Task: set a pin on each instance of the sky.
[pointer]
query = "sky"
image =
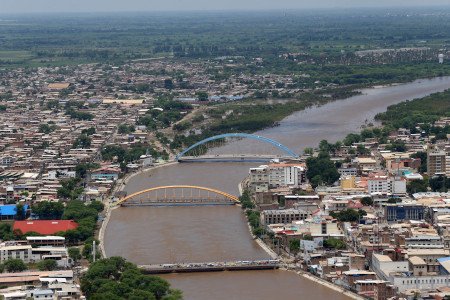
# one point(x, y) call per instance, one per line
point(31, 6)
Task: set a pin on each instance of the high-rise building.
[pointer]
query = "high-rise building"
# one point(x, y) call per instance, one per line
point(436, 162)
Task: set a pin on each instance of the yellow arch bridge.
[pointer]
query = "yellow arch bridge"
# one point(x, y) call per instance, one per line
point(178, 195)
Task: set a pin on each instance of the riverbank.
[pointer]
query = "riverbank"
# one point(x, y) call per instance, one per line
point(330, 285)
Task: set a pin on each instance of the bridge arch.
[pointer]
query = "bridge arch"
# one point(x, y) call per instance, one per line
point(224, 194)
point(283, 148)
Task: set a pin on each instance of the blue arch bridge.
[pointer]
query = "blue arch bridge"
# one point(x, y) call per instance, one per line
point(200, 151)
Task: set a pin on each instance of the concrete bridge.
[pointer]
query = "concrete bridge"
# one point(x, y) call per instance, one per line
point(230, 158)
point(211, 266)
point(178, 195)
point(189, 154)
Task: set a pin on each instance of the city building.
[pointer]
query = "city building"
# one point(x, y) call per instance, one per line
point(283, 216)
point(436, 162)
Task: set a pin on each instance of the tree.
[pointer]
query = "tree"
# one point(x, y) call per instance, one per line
point(89, 131)
point(246, 200)
point(20, 209)
point(70, 189)
point(351, 138)
point(83, 141)
point(308, 151)
point(321, 170)
point(417, 186)
point(125, 129)
point(324, 146)
point(168, 84)
point(307, 237)
point(398, 146)
point(6, 232)
point(439, 183)
point(334, 243)
point(115, 278)
point(82, 169)
point(15, 265)
point(46, 128)
point(48, 210)
point(47, 265)
point(361, 150)
point(394, 200)
point(294, 245)
point(348, 215)
point(202, 96)
point(423, 160)
point(367, 201)
point(74, 254)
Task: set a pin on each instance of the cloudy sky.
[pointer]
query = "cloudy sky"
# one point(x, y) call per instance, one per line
point(26, 6)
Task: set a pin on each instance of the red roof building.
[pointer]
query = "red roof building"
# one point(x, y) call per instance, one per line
point(45, 226)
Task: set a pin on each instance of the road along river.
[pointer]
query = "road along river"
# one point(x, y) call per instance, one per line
point(147, 235)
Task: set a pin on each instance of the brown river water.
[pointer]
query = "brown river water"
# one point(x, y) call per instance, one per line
point(147, 235)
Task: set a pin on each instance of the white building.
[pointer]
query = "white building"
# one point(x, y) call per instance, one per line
point(386, 185)
point(399, 273)
point(424, 242)
point(22, 252)
point(286, 175)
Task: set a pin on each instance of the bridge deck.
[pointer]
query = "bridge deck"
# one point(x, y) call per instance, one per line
point(178, 202)
point(211, 267)
point(230, 158)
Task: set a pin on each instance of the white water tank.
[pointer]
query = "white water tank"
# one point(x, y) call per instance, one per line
point(441, 58)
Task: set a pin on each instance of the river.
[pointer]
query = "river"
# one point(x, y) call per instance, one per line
point(171, 234)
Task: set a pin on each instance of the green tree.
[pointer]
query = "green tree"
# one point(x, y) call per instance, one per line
point(20, 209)
point(307, 237)
point(246, 200)
point(394, 200)
point(168, 84)
point(82, 169)
point(74, 254)
point(417, 186)
point(46, 128)
point(423, 160)
point(348, 215)
point(83, 141)
point(398, 146)
point(89, 131)
point(6, 232)
point(439, 183)
point(321, 170)
point(48, 210)
point(15, 265)
point(308, 151)
point(47, 265)
point(367, 201)
point(70, 189)
point(202, 96)
point(334, 243)
point(125, 129)
point(294, 245)
point(120, 279)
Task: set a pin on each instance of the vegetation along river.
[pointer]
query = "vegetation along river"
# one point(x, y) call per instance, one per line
point(148, 235)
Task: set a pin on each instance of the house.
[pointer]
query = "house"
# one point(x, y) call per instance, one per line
point(105, 174)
